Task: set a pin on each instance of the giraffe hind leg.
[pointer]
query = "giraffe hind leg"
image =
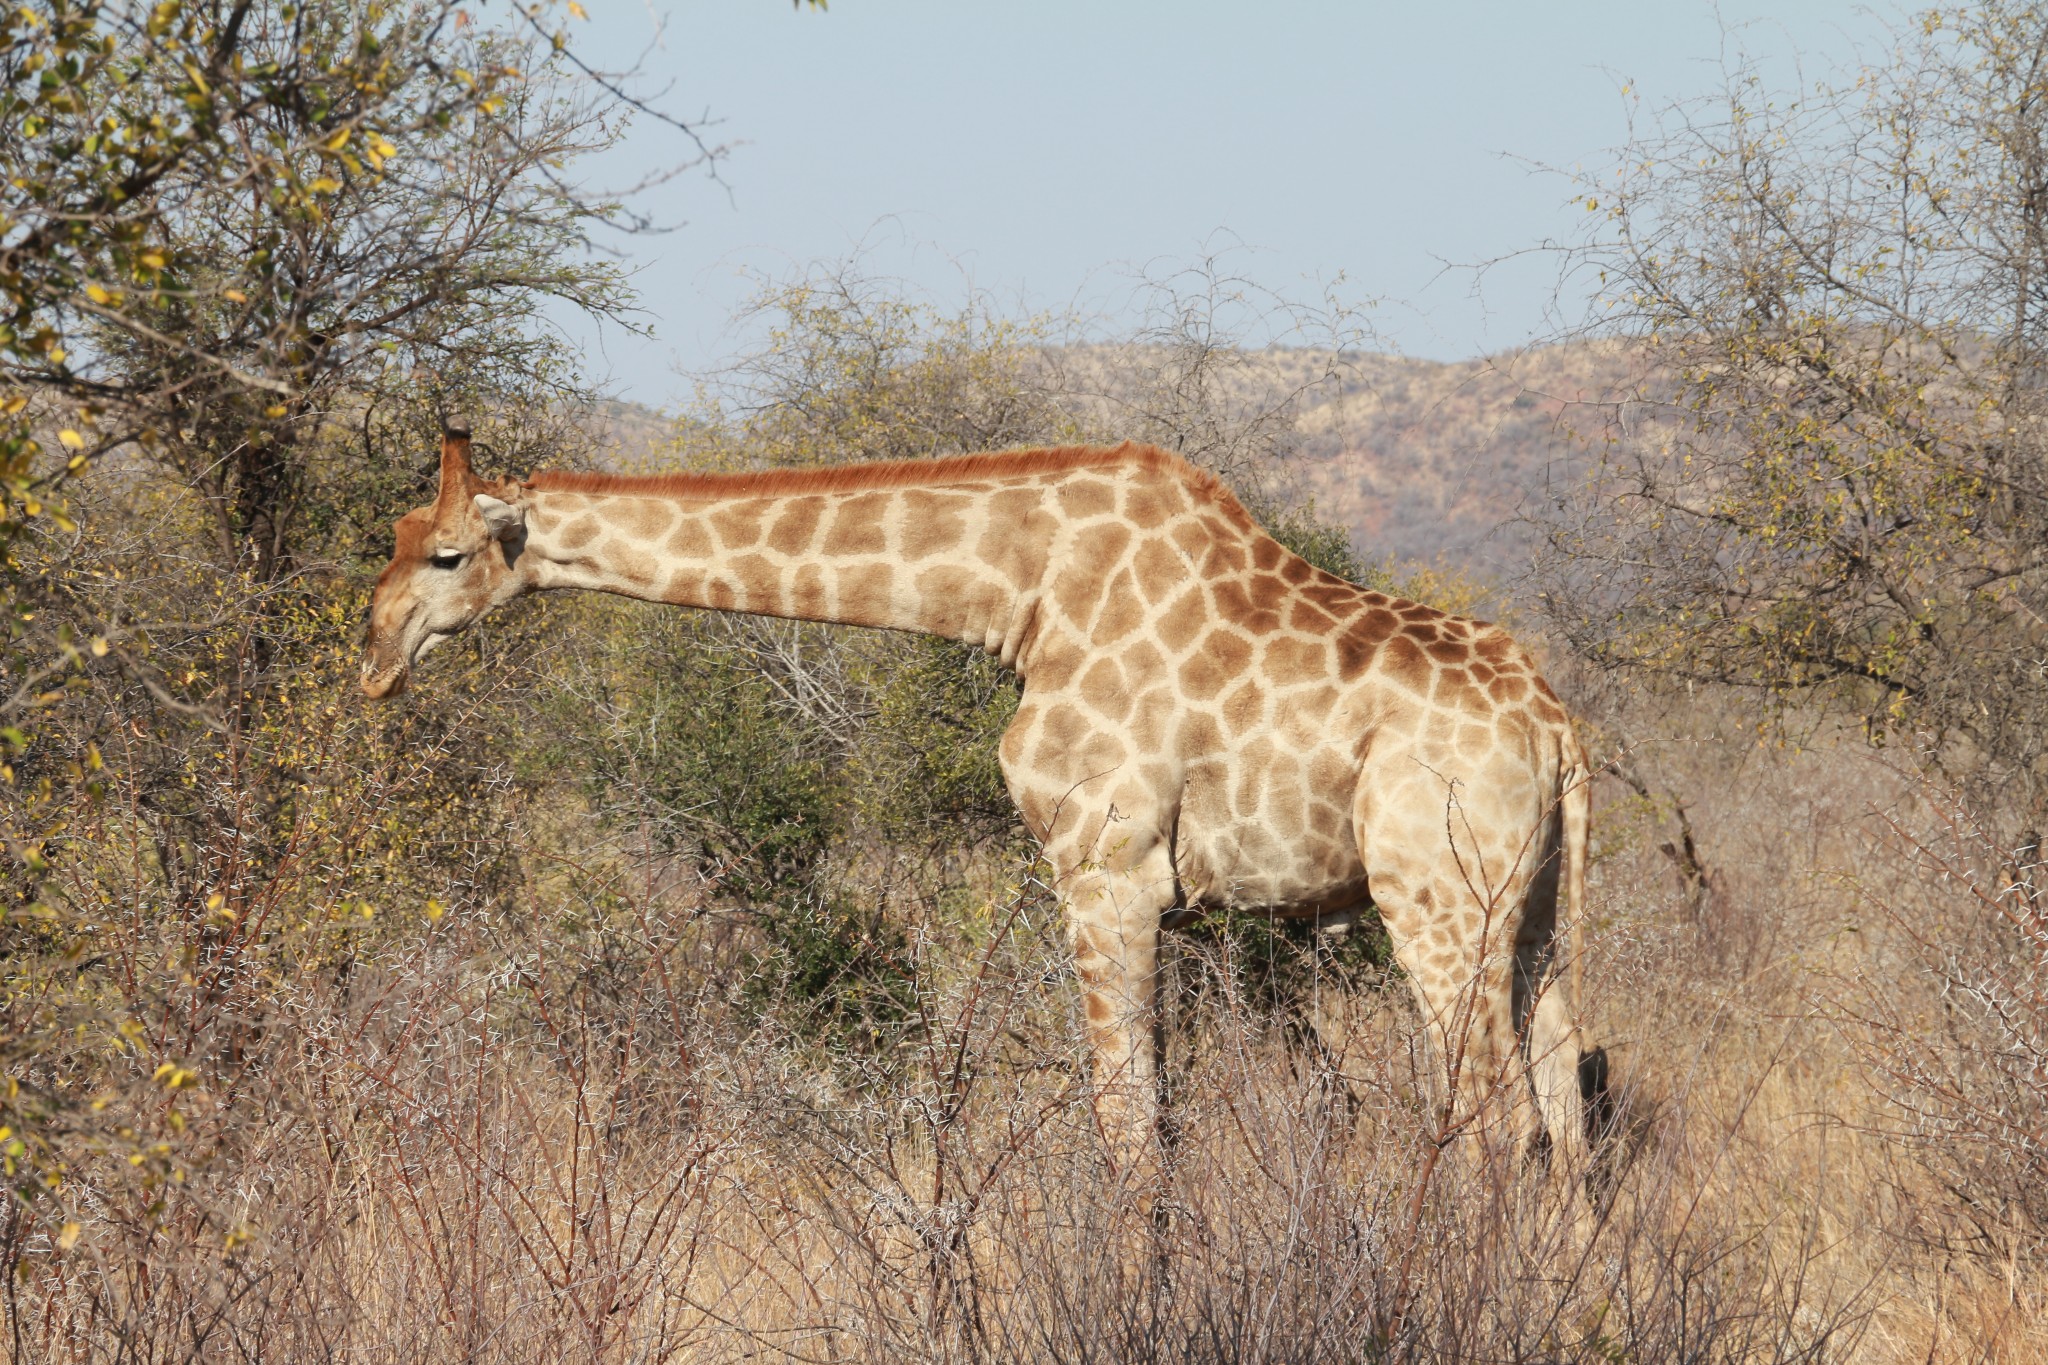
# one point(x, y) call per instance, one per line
point(1450, 866)
point(1462, 987)
point(1551, 1041)
point(1555, 1073)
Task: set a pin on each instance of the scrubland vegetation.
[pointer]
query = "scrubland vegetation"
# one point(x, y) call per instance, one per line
point(662, 986)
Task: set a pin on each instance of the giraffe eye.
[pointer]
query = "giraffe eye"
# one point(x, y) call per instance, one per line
point(446, 559)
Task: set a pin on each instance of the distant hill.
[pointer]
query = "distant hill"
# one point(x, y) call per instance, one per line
point(625, 435)
point(1432, 461)
point(1424, 461)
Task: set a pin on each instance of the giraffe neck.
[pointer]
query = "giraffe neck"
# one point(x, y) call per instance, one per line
point(959, 560)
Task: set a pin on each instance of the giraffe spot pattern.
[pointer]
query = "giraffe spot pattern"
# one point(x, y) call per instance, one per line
point(1083, 498)
point(857, 527)
point(1150, 503)
point(1120, 612)
point(1183, 620)
point(932, 525)
point(645, 518)
point(795, 525)
point(1193, 692)
point(1158, 569)
point(1222, 656)
point(692, 540)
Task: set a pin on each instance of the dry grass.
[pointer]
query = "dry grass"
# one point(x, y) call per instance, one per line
point(501, 1142)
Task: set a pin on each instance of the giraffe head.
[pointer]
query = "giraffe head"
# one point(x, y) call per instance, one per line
point(452, 562)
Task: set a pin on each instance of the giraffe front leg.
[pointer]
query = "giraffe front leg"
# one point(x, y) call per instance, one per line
point(1113, 910)
point(1106, 832)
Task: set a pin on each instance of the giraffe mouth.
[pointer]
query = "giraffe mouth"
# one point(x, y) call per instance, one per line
point(383, 681)
point(380, 684)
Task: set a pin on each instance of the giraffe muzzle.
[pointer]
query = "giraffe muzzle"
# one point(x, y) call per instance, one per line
point(385, 682)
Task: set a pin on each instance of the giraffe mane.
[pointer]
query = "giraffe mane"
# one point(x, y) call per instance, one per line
point(854, 478)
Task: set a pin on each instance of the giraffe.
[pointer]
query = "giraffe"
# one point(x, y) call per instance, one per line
point(1206, 719)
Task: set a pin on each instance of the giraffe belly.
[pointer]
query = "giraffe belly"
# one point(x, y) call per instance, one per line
point(1289, 853)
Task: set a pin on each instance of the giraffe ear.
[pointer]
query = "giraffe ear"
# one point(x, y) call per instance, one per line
point(505, 520)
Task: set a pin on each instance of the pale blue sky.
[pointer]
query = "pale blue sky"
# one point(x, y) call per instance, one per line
point(1045, 151)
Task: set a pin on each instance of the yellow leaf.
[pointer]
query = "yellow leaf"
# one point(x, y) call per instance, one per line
point(577, 10)
point(174, 1076)
point(70, 439)
point(326, 184)
point(97, 294)
point(67, 1236)
point(338, 141)
point(234, 296)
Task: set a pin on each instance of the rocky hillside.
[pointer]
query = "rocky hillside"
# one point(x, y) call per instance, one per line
point(1430, 462)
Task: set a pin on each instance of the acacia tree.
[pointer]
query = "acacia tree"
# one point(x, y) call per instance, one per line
point(254, 248)
point(251, 251)
point(233, 217)
point(1836, 486)
point(1833, 489)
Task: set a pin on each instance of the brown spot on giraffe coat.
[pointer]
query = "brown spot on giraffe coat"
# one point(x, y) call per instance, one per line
point(857, 527)
point(932, 524)
point(1183, 620)
point(1081, 499)
point(738, 527)
point(795, 526)
point(1159, 569)
point(1122, 611)
point(1404, 662)
point(1221, 656)
point(691, 540)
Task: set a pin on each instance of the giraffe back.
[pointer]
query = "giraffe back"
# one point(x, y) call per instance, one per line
point(1227, 681)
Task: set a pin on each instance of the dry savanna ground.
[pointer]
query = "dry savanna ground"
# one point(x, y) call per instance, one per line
point(587, 1116)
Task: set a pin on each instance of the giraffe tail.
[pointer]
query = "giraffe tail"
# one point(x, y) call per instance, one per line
point(1576, 803)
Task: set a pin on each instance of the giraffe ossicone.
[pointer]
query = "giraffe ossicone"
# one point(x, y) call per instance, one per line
point(1207, 720)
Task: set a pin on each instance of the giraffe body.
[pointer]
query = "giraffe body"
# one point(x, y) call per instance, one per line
point(1207, 720)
